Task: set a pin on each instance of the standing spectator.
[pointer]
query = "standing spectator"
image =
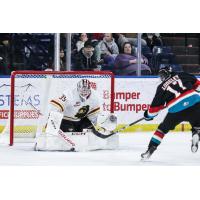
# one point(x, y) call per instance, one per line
point(121, 39)
point(126, 62)
point(108, 49)
point(80, 44)
point(86, 58)
point(153, 39)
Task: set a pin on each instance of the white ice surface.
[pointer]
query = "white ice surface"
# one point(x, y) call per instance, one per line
point(174, 150)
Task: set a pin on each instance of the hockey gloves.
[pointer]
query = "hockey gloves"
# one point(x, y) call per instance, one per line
point(147, 117)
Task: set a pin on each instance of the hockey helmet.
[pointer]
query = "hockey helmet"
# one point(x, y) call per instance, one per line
point(83, 88)
point(165, 72)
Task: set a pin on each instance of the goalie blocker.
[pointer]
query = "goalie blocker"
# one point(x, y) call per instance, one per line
point(55, 139)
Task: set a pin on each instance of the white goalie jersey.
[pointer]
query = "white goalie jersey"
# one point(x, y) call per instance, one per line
point(74, 107)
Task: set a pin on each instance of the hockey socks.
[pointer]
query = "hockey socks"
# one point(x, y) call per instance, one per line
point(157, 138)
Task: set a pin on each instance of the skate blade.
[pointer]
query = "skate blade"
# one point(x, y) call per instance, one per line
point(145, 158)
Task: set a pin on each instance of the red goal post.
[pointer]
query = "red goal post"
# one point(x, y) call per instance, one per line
point(104, 79)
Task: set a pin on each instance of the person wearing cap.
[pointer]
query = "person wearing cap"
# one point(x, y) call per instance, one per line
point(86, 58)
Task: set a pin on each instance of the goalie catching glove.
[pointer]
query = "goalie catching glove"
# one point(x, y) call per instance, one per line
point(107, 123)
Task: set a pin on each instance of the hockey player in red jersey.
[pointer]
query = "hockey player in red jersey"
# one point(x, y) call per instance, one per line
point(179, 92)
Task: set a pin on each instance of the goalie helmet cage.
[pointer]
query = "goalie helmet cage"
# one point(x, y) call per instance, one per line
point(54, 74)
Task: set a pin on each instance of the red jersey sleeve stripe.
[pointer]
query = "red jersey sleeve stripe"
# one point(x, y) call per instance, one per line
point(197, 83)
point(180, 96)
point(155, 109)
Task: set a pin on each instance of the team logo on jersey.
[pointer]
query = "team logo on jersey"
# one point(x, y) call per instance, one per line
point(185, 103)
point(82, 112)
point(78, 103)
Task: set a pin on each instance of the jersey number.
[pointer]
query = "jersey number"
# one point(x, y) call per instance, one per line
point(63, 98)
point(175, 92)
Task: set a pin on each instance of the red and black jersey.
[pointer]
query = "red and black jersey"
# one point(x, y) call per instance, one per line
point(177, 93)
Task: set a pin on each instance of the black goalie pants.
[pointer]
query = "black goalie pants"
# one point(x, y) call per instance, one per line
point(191, 115)
point(69, 126)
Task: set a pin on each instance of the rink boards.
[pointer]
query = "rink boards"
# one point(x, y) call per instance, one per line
point(132, 97)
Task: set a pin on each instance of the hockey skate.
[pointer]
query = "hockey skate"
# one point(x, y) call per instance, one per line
point(148, 153)
point(195, 141)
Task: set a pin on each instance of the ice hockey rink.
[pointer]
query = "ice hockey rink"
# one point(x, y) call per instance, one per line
point(174, 151)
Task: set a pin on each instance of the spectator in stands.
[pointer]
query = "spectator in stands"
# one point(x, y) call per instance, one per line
point(153, 39)
point(121, 38)
point(97, 36)
point(4, 53)
point(62, 60)
point(78, 41)
point(82, 39)
point(75, 37)
point(126, 62)
point(50, 63)
point(4, 70)
point(86, 58)
point(108, 49)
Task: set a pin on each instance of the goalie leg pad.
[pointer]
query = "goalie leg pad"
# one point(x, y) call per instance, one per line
point(80, 141)
point(53, 123)
point(95, 142)
point(47, 142)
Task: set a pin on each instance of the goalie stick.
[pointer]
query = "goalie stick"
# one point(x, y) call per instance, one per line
point(103, 136)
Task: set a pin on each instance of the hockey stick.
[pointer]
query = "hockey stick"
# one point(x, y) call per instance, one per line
point(103, 136)
point(131, 124)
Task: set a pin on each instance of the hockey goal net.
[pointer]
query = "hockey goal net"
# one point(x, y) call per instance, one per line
point(31, 92)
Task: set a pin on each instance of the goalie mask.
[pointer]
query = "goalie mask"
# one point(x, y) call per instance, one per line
point(83, 88)
point(165, 73)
